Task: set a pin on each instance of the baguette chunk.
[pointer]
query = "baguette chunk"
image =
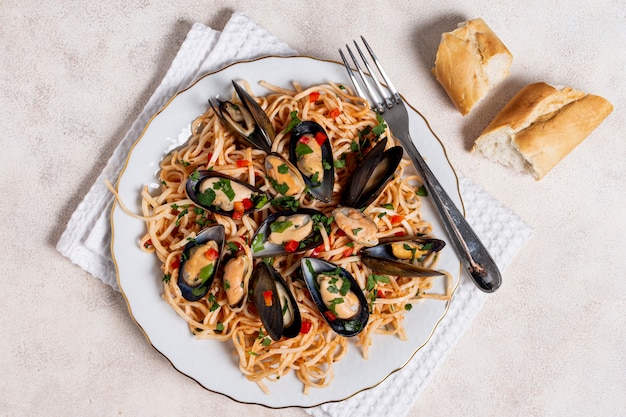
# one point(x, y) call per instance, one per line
point(470, 61)
point(539, 126)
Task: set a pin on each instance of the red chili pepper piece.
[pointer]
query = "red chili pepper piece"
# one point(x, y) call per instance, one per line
point(175, 262)
point(243, 163)
point(267, 297)
point(396, 219)
point(211, 254)
point(329, 315)
point(306, 327)
point(334, 113)
point(247, 204)
point(320, 138)
point(314, 96)
point(317, 250)
point(291, 246)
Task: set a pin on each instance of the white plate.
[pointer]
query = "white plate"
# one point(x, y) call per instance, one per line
point(210, 362)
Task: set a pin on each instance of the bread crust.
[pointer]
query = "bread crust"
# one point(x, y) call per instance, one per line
point(462, 59)
point(544, 124)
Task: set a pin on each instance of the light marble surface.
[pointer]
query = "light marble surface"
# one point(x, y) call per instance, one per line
point(73, 77)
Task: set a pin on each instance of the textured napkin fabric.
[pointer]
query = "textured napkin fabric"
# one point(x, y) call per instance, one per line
point(86, 240)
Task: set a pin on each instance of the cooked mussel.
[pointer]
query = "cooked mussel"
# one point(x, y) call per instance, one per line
point(372, 174)
point(337, 295)
point(249, 120)
point(235, 279)
point(283, 175)
point(286, 232)
point(224, 195)
point(356, 225)
point(199, 262)
point(401, 256)
point(276, 306)
point(311, 152)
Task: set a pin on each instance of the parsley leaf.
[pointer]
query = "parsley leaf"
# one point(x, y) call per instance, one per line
point(206, 198)
point(224, 185)
point(294, 121)
point(302, 149)
point(422, 192)
point(279, 227)
point(288, 202)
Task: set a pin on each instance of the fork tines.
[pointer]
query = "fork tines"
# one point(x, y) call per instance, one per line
point(379, 96)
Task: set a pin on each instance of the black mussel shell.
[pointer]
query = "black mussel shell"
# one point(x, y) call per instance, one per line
point(194, 186)
point(263, 248)
point(261, 134)
point(381, 259)
point(311, 268)
point(321, 190)
point(370, 177)
point(265, 278)
point(199, 290)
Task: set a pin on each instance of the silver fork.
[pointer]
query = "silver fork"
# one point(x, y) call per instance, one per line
point(387, 101)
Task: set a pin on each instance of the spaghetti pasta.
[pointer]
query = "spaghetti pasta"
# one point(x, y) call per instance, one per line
point(172, 219)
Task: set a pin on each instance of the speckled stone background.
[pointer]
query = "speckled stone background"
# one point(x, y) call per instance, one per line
point(74, 76)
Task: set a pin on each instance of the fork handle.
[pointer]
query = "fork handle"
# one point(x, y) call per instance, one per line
point(473, 255)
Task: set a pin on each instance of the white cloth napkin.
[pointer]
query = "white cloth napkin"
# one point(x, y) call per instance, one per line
point(86, 240)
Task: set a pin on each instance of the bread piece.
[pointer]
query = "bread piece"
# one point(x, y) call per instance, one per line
point(470, 61)
point(539, 126)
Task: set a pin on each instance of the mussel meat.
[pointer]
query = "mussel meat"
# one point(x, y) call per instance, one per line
point(337, 295)
point(311, 152)
point(224, 195)
point(236, 277)
point(199, 262)
point(275, 304)
point(372, 175)
point(283, 176)
point(286, 232)
point(402, 256)
point(356, 225)
point(249, 120)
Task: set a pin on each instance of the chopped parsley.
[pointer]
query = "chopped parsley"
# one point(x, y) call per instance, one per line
point(257, 243)
point(224, 185)
point(195, 176)
point(283, 168)
point(279, 227)
point(294, 121)
point(422, 192)
point(288, 202)
point(373, 279)
point(207, 197)
point(302, 149)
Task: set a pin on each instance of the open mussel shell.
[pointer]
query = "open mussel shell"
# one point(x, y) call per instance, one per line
point(321, 179)
point(275, 304)
point(312, 269)
point(217, 193)
point(199, 262)
point(283, 175)
point(383, 260)
point(374, 172)
point(250, 121)
point(266, 242)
